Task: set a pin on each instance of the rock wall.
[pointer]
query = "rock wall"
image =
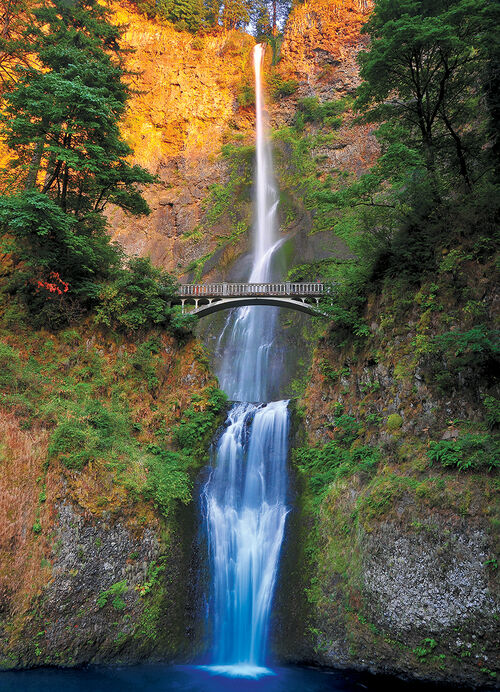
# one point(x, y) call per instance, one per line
point(399, 549)
point(94, 557)
point(183, 109)
point(193, 96)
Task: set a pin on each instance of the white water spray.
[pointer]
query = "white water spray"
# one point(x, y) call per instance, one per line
point(245, 496)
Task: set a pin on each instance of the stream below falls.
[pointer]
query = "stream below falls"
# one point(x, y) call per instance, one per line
point(159, 678)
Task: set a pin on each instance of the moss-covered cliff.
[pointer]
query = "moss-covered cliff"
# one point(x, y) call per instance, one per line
point(397, 455)
point(101, 439)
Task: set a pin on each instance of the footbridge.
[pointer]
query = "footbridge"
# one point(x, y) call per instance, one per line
point(210, 298)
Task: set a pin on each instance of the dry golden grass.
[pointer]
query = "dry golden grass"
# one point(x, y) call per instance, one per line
point(22, 455)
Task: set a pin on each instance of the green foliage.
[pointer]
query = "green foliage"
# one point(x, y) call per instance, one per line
point(97, 433)
point(155, 569)
point(470, 452)
point(168, 479)
point(478, 347)
point(452, 353)
point(330, 373)
point(281, 88)
point(310, 110)
point(192, 432)
point(394, 422)
point(492, 408)
point(441, 43)
point(61, 117)
point(324, 465)
point(138, 297)
point(246, 96)
point(346, 428)
point(115, 593)
point(169, 476)
point(186, 15)
point(432, 183)
point(426, 647)
point(340, 457)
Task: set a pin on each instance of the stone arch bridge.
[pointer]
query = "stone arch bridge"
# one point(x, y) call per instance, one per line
point(210, 298)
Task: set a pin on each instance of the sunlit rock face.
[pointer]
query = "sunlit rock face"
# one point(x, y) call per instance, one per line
point(320, 49)
point(185, 104)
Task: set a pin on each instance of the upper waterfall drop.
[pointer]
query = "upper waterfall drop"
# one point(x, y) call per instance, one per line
point(247, 339)
point(266, 195)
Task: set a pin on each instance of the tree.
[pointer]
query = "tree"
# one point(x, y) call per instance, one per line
point(61, 118)
point(269, 15)
point(422, 69)
point(235, 13)
point(262, 20)
point(13, 15)
point(187, 15)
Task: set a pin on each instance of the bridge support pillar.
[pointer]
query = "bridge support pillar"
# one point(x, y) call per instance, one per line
point(183, 303)
point(196, 301)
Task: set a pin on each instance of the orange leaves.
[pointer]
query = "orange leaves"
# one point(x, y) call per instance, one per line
point(56, 285)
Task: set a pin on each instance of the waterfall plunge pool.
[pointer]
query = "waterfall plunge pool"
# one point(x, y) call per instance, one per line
point(163, 678)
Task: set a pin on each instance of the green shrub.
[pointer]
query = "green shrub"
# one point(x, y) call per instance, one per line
point(346, 428)
point(168, 479)
point(394, 422)
point(281, 88)
point(492, 408)
point(72, 444)
point(471, 452)
point(310, 110)
point(94, 432)
point(138, 297)
point(246, 96)
point(478, 348)
point(191, 433)
point(115, 592)
point(324, 465)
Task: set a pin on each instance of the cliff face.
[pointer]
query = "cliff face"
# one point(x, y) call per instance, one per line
point(100, 443)
point(194, 96)
point(183, 109)
point(399, 514)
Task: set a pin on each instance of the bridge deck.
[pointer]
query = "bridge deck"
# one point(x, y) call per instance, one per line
point(241, 290)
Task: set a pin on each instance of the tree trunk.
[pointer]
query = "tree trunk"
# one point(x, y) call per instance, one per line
point(36, 158)
point(460, 151)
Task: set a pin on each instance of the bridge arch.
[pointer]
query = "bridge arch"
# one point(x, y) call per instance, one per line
point(274, 301)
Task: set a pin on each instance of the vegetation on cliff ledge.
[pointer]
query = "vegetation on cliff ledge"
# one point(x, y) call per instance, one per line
point(399, 463)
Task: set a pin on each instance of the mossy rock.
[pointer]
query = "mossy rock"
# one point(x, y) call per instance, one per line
point(394, 422)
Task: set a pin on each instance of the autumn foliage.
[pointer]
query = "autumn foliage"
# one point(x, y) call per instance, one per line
point(55, 286)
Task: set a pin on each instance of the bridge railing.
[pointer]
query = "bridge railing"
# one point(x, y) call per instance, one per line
point(233, 290)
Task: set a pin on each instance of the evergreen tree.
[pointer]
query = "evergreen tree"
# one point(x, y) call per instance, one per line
point(61, 118)
point(187, 15)
point(262, 20)
point(423, 70)
point(235, 13)
point(212, 11)
point(269, 16)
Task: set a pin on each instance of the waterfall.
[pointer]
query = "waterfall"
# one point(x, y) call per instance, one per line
point(245, 360)
point(245, 496)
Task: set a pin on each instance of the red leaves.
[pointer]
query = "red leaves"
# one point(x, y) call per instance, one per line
point(54, 285)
